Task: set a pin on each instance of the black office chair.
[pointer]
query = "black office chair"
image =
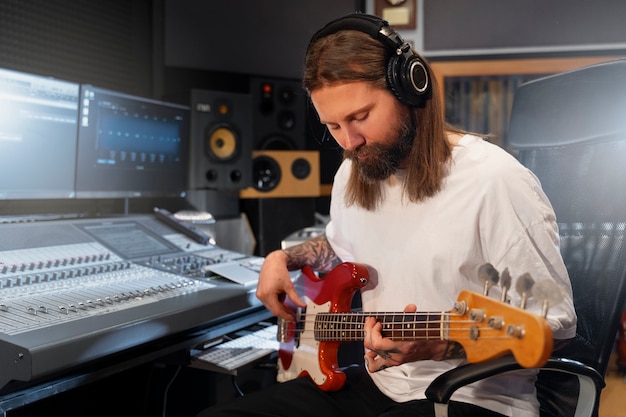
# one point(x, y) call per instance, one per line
point(570, 130)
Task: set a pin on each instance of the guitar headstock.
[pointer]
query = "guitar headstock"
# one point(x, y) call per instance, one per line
point(489, 328)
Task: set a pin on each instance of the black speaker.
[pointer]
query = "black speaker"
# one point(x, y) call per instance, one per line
point(221, 140)
point(279, 108)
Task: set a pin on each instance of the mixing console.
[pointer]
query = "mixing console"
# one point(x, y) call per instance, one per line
point(73, 291)
point(92, 285)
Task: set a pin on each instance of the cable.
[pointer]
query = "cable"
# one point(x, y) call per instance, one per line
point(236, 386)
point(167, 388)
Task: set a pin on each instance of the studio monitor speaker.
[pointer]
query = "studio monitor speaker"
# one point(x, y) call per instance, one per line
point(279, 108)
point(221, 140)
point(277, 174)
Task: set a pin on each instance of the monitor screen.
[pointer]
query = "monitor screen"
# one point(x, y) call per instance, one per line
point(38, 119)
point(130, 146)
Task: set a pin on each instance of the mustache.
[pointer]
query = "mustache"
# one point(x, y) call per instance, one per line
point(354, 154)
point(398, 149)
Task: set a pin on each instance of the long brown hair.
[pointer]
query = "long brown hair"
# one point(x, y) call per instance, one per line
point(350, 56)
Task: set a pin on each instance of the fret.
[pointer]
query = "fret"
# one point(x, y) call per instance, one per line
point(338, 327)
point(398, 326)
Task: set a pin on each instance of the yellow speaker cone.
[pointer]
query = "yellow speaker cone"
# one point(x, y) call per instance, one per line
point(222, 143)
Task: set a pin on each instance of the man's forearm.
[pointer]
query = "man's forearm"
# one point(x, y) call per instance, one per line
point(315, 252)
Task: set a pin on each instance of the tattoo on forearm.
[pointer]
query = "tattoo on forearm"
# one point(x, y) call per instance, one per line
point(386, 354)
point(454, 351)
point(316, 252)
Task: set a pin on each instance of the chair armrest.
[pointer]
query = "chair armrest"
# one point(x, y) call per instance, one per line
point(442, 387)
point(591, 382)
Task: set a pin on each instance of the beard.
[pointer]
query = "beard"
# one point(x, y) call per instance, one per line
point(383, 159)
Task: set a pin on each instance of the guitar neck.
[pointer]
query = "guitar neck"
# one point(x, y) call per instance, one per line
point(348, 327)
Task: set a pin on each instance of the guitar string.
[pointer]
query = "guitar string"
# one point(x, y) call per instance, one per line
point(434, 332)
point(460, 337)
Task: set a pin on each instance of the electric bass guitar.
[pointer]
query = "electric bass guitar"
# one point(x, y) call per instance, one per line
point(486, 328)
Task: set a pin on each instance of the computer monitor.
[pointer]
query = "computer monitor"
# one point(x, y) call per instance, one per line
point(38, 122)
point(130, 146)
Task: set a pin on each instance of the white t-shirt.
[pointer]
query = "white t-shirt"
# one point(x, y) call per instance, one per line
point(491, 209)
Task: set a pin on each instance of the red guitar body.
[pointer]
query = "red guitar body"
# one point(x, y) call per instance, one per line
point(318, 359)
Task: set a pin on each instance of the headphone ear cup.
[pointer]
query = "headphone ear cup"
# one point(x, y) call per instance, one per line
point(408, 79)
point(393, 81)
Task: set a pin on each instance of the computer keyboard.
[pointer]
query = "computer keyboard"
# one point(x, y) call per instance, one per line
point(240, 353)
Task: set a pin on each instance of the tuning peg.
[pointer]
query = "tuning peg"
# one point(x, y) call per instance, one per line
point(505, 284)
point(548, 293)
point(524, 287)
point(489, 276)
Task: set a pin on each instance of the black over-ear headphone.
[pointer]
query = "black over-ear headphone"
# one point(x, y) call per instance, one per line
point(407, 76)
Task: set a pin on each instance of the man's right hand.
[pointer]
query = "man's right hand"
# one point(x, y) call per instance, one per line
point(275, 284)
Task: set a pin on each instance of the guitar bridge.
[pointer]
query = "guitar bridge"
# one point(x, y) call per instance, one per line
point(288, 330)
point(282, 330)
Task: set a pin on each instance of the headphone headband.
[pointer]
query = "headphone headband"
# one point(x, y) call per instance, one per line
point(372, 25)
point(407, 76)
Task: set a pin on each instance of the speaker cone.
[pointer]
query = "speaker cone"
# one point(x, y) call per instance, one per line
point(265, 173)
point(221, 143)
point(300, 168)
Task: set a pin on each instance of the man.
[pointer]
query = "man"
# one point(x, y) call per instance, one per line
point(424, 205)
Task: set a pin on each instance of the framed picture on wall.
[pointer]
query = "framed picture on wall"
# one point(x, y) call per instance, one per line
point(401, 14)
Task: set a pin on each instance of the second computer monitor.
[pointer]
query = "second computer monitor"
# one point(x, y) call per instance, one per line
point(130, 146)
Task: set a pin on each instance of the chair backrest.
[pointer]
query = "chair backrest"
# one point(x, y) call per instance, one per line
point(570, 130)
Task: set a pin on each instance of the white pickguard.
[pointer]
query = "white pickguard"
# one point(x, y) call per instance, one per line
point(306, 354)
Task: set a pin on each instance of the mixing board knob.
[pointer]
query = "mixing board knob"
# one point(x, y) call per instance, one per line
point(4, 307)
